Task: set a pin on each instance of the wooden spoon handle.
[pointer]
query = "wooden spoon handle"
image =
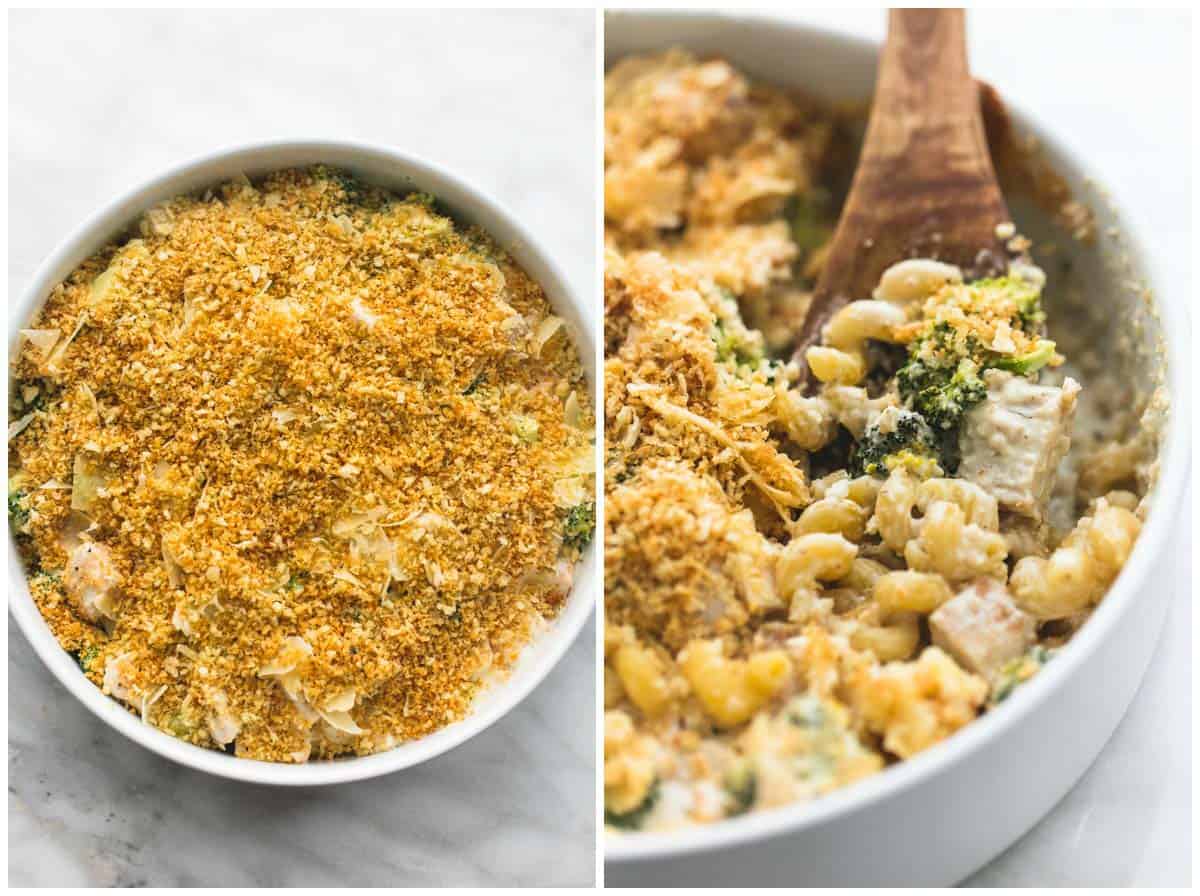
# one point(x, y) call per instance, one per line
point(924, 185)
point(926, 154)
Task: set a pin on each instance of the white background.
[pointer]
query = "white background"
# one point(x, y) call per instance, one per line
point(1115, 87)
point(98, 103)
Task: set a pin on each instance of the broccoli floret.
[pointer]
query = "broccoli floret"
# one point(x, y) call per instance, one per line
point(1030, 316)
point(179, 725)
point(733, 347)
point(807, 712)
point(908, 441)
point(1033, 360)
point(355, 193)
point(351, 188)
point(943, 377)
point(811, 218)
point(942, 381)
point(46, 578)
point(18, 511)
point(579, 525)
point(741, 787)
point(942, 394)
point(1026, 294)
point(86, 657)
point(1018, 671)
point(40, 392)
point(479, 380)
point(635, 817)
point(725, 343)
point(735, 342)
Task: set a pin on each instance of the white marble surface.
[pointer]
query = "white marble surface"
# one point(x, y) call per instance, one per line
point(100, 100)
point(1116, 87)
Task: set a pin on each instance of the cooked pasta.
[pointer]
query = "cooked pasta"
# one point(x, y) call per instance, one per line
point(804, 588)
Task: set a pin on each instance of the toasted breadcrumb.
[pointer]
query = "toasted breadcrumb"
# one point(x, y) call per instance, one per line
point(286, 418)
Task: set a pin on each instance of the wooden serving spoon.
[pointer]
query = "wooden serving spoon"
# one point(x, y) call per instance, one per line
point(924, 186)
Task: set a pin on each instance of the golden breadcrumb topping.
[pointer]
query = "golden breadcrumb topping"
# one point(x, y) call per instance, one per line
point(298, 465)
point(729, 177)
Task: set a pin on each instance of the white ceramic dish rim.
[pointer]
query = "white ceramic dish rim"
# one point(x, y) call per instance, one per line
point(464, 199)
point(907, 776)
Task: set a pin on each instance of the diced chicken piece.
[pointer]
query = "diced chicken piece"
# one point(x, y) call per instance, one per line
point(92, 579)
point(1014, 440)
point(982, 628)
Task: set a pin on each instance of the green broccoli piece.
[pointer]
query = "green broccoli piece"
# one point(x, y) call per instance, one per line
point(351, 188)
point(18, 511)
point(911, 443)
point(943, 395)
point(725, 343)
point(86, 657)
point(735, 342)
point(807, 712)
point(42, 392)
point(46, 578)
point(741, 787)
point(355, 193)
point(1017, 671)
point(479, 380)
point(1028, 297)
point(943, 376)
point(1033, 360)
point(179, 725)
point(1030, 316)
point(635, 817)
point(440, 209)
point(941, 381)
point(579, 525)
point(811, 217)
point(732, 346)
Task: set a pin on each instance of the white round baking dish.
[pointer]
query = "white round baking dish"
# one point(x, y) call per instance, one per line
point(936, 818)
point(395, 170)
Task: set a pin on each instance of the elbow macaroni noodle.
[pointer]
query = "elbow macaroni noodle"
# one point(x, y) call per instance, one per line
point(733, 690)
point(842, 360)
point(1077, 573)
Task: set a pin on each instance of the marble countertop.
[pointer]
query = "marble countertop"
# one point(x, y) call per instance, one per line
point(100, 100)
